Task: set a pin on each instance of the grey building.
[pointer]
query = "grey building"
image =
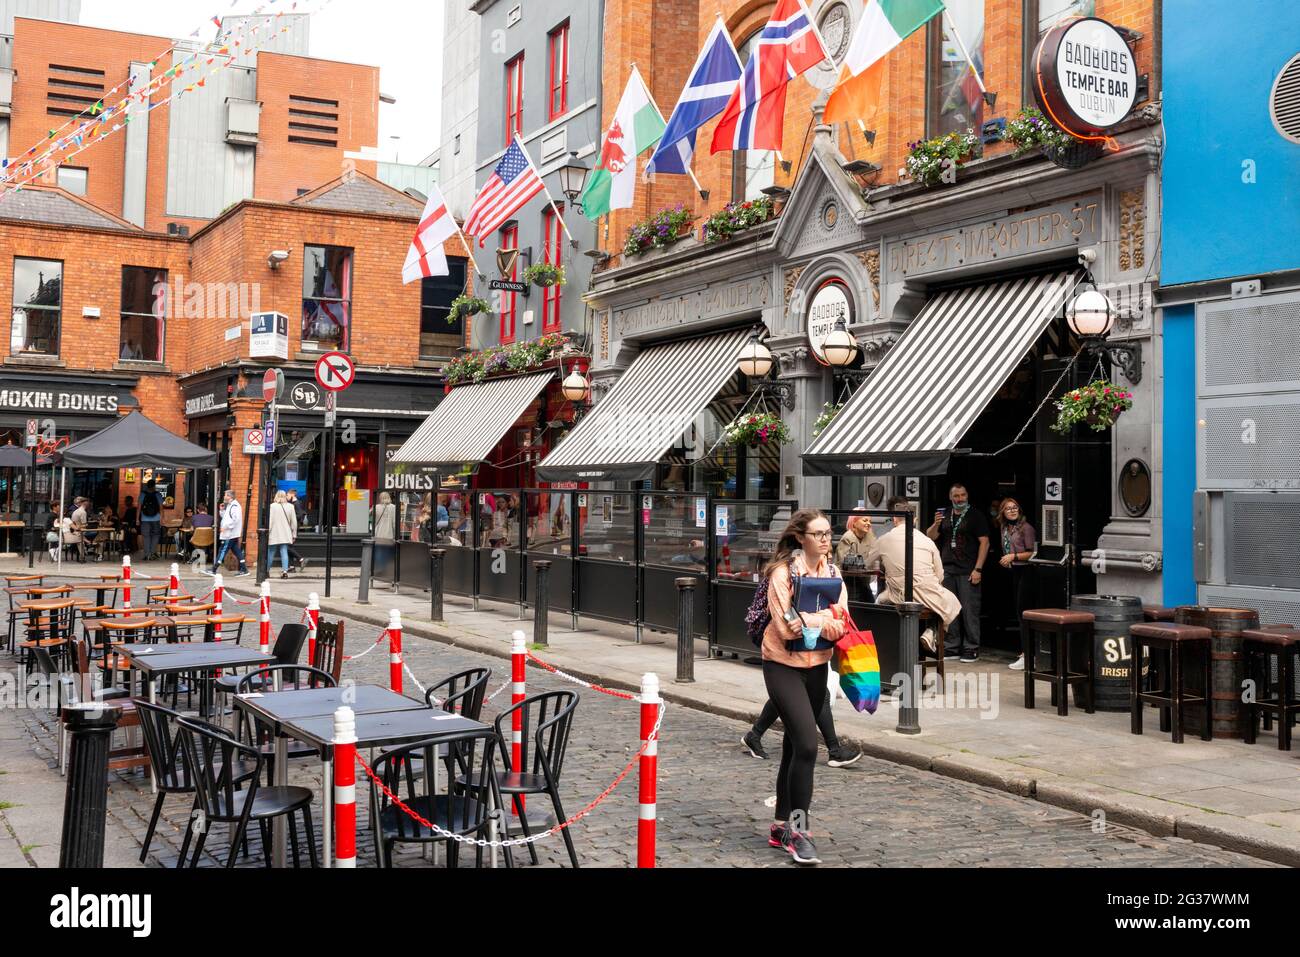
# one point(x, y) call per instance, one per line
point(456, 155)
point(539, 76)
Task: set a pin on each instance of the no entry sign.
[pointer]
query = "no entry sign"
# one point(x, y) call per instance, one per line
point(272, 384)
point(335, 371)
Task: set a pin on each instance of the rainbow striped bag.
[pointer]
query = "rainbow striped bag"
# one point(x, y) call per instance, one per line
point(856, 662)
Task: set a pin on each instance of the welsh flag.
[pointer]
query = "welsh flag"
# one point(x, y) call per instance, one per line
point(884, 25)
point(637, 126)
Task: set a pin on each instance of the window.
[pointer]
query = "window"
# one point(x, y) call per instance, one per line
point(436, 294)
point(557, 71)
point(143, 314)
point(38, 305)
point(327, 298)
point(752, 171)
point(553, 244)
point(509, 300)
point(954, 102)
point(73, 179)
point(515, 98)
point(1039, 17)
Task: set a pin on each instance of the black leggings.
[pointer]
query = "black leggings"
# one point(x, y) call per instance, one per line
point(798, 694)
point(825, 723)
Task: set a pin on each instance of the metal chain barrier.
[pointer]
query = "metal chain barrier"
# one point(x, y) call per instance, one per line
point(383, 636)
point(411, 674)
point(520, 841)
point(504, 685)
point(625, 695)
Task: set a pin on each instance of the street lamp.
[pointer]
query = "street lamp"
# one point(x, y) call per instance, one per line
point(575, 387)
point(755, 362)
point(840, 348)
point(573, 179)
point(1091, 317)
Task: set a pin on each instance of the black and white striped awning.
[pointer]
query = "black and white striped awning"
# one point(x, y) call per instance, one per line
point(936, 380)
point(470, 421)
point(651, 405)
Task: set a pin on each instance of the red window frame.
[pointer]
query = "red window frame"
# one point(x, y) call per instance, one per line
point(553, 246)
point(509, 300)
point(514, 97)
point(557, 71)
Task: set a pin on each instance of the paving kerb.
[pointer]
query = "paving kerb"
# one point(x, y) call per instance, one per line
point(1165, 818)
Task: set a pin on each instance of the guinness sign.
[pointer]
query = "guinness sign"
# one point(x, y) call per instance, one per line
point(507, 259)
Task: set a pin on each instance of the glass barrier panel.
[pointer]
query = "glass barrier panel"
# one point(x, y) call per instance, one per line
point(498, 519)
point(605, 529)
point(675, 530)
point(745, 536)
point(550, 522)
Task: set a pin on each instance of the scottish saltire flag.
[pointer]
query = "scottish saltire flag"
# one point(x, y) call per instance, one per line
point(709, 87)
point(512, 184)
point(754, 116)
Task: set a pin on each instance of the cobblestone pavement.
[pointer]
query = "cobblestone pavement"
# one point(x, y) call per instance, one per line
point(712, 810)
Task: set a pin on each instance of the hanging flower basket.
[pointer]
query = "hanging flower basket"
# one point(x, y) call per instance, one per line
point(466, 305)
point(738, 217)
point(757, 429)
point(1076, 154)
point(544, 275)
point(1096, 405)
point(829, 411)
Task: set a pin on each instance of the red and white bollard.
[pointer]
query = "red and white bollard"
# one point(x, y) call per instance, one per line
point(345, 788)
point(518, 673)
point(174, 581)
point(313, 622)
point(218, 592)
point(645, 826)
point(264, 621)
point(395, 650)
point(126, 577)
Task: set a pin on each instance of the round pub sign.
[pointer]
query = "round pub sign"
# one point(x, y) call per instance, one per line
point(830, 303)
point(1085, 77)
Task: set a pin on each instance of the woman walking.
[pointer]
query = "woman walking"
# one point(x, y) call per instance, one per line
point(796, 647)
point(1019, 542)
point(283, 531)
point(385, 533)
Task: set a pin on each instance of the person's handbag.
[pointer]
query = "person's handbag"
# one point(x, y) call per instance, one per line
point(857, 664)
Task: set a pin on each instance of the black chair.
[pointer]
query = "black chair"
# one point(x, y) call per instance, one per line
point(462, 694)
point(218, 764)
point(285, 651)
point(255, 734)
point(329, 648)
point(547, 722)
point(465, 810)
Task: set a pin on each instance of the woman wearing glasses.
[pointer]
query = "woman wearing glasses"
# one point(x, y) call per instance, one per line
point(1019, 542)
point(797, 645)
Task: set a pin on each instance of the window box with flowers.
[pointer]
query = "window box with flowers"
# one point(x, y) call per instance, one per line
point(737, 217)
point(659, 231)
point(544, 275)
point(1030, 130)
point(757, 429)
point(466, 305)
point(928, 160)
point(1096, 405)
point(505, 360)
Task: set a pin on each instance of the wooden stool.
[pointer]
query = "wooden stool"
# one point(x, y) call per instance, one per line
point(1157, 613)
point(928, 619)
point(1172, 639)
point(1059, 625)
point(1260, 647)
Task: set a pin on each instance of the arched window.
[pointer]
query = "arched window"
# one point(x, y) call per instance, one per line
point(752, 171)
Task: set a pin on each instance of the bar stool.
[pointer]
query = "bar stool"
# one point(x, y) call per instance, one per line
point(1059, 626)
point(1171, 699)
point(930, 619)
point(1261, 646)
point(1157, 613)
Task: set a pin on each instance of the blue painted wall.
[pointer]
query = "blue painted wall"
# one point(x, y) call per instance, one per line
point(1220, 60)
point(1179, 452)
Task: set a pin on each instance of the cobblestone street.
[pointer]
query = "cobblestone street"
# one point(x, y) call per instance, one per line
point(712, 795)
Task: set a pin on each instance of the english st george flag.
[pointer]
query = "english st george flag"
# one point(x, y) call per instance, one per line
point(425, 257)
point(884, 25)
point(710, 85)
point(512, 184)
point(755, 114)
point(637, 126)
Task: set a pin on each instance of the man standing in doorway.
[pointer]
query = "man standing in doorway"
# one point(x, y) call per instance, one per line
point(962, 534)
point(232, 526)
point(150, 521)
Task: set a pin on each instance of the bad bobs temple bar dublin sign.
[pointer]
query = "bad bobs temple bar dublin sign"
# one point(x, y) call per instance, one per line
point(1085, 77)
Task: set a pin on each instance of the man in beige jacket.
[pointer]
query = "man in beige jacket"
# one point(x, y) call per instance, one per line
point(890, 552)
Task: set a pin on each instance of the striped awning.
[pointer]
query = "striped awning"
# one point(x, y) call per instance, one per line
point(651, 405)
point(470, 421)
point(936, 380)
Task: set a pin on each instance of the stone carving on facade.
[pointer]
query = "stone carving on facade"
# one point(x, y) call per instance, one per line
point(796, 361)
point(791, 280)
point(1132, 229)
point(604, 336)
point(873, 350)
point(870, 260)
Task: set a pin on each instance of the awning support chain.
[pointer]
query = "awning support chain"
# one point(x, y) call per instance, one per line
point(723, 436)
point(1030, 421)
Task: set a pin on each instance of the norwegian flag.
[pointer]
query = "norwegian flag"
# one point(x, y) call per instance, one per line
point(788, 46)
point(512, 184)
point(425, 257)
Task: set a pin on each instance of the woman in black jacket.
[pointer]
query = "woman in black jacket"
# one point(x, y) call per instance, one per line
point(130, 526)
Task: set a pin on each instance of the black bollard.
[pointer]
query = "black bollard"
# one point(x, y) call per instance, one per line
point(542, 602)
point(685, 630)
point(909, 658)
point(85, 802)
point(436, 556)
point(367, 568)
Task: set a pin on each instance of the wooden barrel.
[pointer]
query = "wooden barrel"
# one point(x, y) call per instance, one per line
point(1112, 648)
point(1227, 666)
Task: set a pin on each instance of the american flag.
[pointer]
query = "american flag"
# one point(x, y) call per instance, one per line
point(788, 46)
point(512, 184)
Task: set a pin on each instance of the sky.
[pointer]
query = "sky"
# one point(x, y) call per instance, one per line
point(402, 37)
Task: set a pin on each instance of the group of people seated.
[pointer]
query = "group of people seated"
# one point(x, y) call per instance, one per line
point(90, 534)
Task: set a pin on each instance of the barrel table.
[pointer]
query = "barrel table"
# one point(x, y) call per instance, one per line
point(1227, 665)
point(1112, 651)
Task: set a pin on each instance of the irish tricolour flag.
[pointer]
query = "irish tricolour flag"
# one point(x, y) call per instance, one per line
point(637, 126)
point(884, 25)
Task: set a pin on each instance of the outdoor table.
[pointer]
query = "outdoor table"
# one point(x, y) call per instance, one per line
point(9, 527)
point(383, 717)
point(104, 587)
point(154, 661)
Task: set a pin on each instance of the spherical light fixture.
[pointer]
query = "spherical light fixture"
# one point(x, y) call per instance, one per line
point(840, 348)
point(755, 359)
point(1090, 313)
point(575, 387)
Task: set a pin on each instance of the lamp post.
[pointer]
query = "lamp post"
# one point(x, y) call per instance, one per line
point(1092, 316)
point(573, 180)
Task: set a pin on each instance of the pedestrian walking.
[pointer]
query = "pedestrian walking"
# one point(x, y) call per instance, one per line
point(283, 529)
point(300, 517)
point(1018, 541)
point(232, 527)
point(797, 645)
point(385, 531)
point(962, 534)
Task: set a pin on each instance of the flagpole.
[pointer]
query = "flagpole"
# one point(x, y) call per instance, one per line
point(961, 44)
point(558, 212)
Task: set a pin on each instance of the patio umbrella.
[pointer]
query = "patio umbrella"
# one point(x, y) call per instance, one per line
point(16, 457)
